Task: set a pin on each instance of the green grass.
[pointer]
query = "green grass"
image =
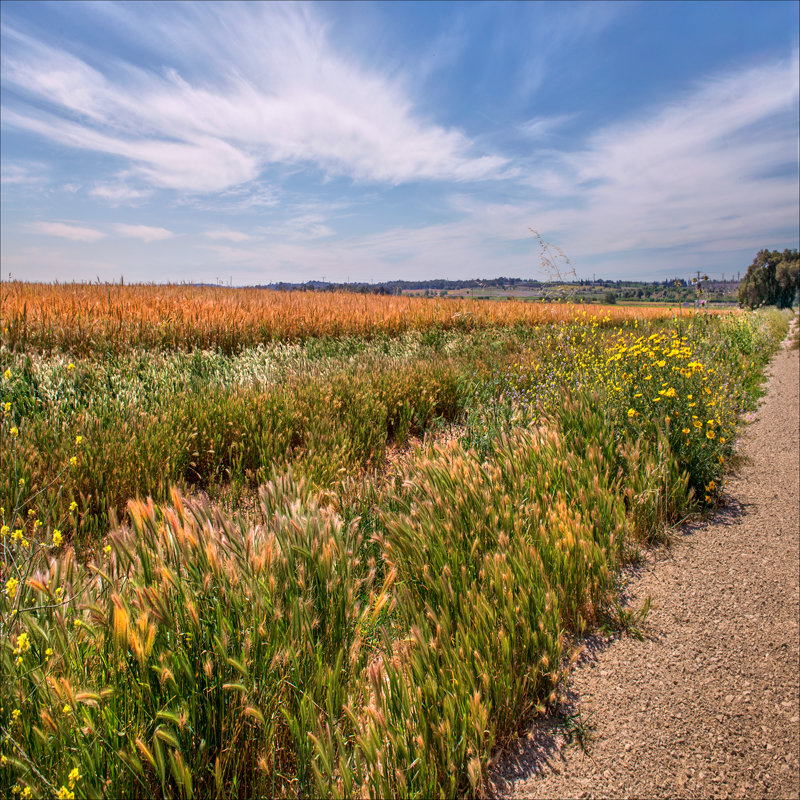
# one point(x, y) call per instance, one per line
point(351, 633)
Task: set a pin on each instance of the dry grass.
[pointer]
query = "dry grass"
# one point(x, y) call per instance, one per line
point(85, 318)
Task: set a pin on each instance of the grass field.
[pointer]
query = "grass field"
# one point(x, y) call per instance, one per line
point(212, 583)
point(84, 319)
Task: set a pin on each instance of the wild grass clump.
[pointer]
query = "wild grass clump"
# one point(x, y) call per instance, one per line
point(193, 658)
point(326, 424)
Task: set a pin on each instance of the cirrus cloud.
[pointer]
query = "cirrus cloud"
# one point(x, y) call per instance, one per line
point(285, 96)
point(63, 230)
point(144, 232)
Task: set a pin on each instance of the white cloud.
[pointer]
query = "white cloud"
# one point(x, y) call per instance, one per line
point(231, 236)
point(63, 230)
point(22, 174)
point(143, 232)
point(284, 96)
point(305, 226)
point(118, 193)
point(713, 164)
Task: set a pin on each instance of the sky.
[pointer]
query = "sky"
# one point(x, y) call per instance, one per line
point(263, 142)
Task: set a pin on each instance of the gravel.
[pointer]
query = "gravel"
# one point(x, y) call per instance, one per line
point(708, 705)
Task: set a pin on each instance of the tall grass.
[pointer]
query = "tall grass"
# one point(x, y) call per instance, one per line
point(140, 439)
point(83, 319)
point(302, 651)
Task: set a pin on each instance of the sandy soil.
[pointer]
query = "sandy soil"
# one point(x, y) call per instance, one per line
point(709, 704)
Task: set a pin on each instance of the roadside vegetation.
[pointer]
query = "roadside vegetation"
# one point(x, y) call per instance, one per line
point(212, 585)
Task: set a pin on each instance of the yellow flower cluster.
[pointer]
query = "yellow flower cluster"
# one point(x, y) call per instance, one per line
point(23, 644)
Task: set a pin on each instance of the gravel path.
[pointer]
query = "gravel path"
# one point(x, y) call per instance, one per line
point(709, 704)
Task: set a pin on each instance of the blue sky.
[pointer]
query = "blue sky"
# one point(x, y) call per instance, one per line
point(373, 141)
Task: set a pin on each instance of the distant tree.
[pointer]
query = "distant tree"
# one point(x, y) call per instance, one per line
point(772, 279)
point(787, 276)
point(610, 298)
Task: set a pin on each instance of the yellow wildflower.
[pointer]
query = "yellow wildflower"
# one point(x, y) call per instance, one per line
point(11, 587)
point(70, 366)
point(15, 714)
point(14, 432)
point(7, 374)
point(710, 433)
point(73, 461)
point(74, 776)
point(56, 538)
point(631, 412)
point(73, 506)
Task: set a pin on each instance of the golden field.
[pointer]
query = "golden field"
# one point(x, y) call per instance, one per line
point(82, 318)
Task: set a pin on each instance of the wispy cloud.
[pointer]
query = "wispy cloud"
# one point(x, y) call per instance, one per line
point(119, 193)
point(74, 233)
point(236, 199)
point(286, 96)
point(542, 127)
point(23, 174)
point(231, 236)
point(144, 232)
point(712, 163)
point(301, 227)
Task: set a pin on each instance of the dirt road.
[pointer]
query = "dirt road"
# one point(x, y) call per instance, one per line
point(709, 704)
